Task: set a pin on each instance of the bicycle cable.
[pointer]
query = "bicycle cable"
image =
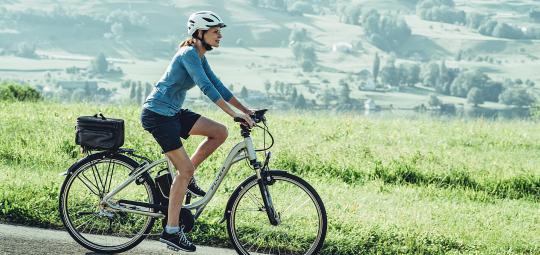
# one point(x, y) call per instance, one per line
point(266, 130)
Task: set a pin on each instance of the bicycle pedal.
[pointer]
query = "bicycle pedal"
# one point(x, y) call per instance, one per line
point(172, 248)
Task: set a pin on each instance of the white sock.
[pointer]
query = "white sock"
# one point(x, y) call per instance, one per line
point(172, 230)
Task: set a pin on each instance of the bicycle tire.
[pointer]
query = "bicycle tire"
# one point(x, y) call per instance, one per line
point(276, 177)
point(82, 238)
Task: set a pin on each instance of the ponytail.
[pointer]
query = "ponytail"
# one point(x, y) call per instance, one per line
point(187, 42)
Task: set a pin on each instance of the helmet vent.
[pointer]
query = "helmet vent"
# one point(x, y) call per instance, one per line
point(215, 17)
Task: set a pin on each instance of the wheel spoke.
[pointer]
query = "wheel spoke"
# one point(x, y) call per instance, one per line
point(95, 225)
point(97, 178)
point(85, 181)
point(254, 200)
point(252, 233)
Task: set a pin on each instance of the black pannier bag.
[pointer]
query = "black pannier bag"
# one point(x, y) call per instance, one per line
point(99, 133)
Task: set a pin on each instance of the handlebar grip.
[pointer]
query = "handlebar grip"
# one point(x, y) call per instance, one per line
point(238, 119)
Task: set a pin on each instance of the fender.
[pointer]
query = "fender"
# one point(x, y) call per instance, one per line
point(240, 187)
point(102, 155)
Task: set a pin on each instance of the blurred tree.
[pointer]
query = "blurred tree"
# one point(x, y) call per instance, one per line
point(413, 76)
point(12, 91)
point(308, 53)
point(301, 7)
point(326, 96)
point(487, 27)
point(492, 90)
point(403, 74)
point(298, 35)
point(139, 93)
point(267, 87)
point(389, 73)
point(430, 74)
point(99, 64)
point(78, 95)
point(344, 93)
point(466, 80)
point(350, 13)
point(300, 102)
point(294, 95)
point(307, 66)
point(125, 84)
point(516, 96)
point(376, 66)
point(370, 22)
point(442, 82)
point(475, 96)
point(434, 101)
point(133, 91)
point(26, 50)
point(503, 30)
point(244, 92)
point(474, 20)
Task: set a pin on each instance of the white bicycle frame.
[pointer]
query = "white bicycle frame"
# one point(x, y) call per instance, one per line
point(240, 151)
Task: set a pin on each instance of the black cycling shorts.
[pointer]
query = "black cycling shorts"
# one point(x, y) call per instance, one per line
point(167, 130)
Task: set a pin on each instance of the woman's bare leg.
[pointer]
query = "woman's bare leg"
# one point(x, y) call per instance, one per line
point(184, 172)
point(215, 133)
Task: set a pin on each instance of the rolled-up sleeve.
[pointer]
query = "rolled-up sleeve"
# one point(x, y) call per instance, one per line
point(223, 91)
point(194, 67)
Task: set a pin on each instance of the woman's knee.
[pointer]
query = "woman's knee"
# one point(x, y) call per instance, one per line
point(185, 172)
point(221, 133)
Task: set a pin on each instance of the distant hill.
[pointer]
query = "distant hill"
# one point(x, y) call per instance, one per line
point(256, 40)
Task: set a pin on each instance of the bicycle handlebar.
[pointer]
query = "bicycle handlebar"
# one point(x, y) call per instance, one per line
point(257, 117)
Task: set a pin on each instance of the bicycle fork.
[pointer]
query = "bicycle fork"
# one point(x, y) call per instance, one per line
point(264, 181)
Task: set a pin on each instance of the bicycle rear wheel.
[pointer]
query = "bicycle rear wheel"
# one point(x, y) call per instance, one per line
point(94, 226)
point(303, 222)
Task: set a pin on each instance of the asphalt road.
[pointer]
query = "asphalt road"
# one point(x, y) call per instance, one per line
point(27, 240)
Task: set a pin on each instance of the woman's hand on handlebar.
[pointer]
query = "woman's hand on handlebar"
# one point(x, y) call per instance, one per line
point(247, 119)
point(249, 112)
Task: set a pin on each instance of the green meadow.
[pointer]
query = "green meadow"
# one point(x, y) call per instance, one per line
point(422, 186)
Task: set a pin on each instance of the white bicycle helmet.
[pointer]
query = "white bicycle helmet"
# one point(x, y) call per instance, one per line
point(203, 20)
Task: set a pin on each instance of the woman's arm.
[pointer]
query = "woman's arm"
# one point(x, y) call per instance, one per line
point(195, 69)
point(225, 93)
point(240, 106)
point(225, 107)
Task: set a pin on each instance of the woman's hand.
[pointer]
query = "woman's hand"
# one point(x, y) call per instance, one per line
point(249, 112)
point(246, 118)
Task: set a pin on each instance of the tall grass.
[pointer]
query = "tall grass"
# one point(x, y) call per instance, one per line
point(390, 185)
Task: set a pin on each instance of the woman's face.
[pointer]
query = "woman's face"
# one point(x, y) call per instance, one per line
point(213, 36)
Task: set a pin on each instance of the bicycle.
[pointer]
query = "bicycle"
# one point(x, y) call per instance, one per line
point(109, 201)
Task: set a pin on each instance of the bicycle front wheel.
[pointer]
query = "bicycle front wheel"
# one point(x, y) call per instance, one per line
point(89, 222)
point(301, 213)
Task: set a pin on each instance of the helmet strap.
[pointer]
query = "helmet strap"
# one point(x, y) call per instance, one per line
point(207, 46)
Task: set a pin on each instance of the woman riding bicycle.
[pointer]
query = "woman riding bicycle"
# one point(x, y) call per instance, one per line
point(162, 115)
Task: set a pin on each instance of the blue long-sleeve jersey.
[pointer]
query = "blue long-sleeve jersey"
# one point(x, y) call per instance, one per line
point(185, 70)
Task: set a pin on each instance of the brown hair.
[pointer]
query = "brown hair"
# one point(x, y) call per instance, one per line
point(187, 42)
